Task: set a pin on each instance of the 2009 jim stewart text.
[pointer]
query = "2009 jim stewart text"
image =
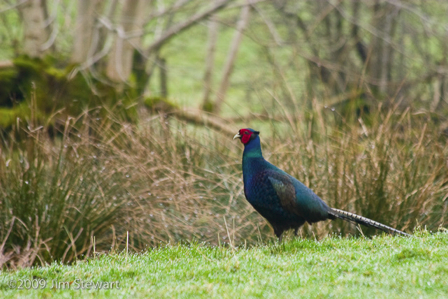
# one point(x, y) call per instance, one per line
point(77, 284)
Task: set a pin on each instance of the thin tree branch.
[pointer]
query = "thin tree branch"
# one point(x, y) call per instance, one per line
point(13, 6)
point(228, 67)
point(171, 32)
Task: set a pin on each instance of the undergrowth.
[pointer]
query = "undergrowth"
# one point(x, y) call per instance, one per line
point(101, 184)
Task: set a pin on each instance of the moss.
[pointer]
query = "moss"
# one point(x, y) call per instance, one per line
point(208, 106)
point(159, 104)
point(32, 65)
point(51, 86)
point(8, 116)
point(8, 89)
point(56, 88)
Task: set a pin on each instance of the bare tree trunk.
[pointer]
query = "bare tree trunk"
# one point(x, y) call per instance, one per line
point(144, 65)
point(142, 71)
point(228, 67)
point(103, 34)
point(209, 61)
point(163, 78)
point(381, 55)
point(35, 34)
point(360, 47)
point(88, 10)
point(437, 86)
point(387, 55)
point(119, 66)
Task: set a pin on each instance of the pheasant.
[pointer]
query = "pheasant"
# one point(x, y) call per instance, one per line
point(283, 200)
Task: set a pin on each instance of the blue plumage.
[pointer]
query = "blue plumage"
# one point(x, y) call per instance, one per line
point(284, 201)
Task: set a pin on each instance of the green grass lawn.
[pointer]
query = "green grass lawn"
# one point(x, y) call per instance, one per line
point(383, 267)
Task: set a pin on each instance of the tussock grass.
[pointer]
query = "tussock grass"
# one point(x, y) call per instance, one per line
point(394, 171)
point(162, 180)
point(57, 200)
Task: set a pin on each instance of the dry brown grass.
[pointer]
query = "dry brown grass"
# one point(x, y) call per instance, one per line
point(166, 181)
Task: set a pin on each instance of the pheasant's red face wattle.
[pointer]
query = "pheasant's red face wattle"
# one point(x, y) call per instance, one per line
point(245, 135)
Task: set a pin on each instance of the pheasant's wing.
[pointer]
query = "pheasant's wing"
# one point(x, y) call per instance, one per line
point(297, 198)
point(286, 192)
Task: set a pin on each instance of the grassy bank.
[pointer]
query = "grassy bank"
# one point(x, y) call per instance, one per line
point(382, 267)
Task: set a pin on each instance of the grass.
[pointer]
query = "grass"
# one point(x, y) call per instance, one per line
point(382, 267)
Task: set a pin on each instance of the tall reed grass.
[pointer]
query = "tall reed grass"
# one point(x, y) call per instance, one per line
point(161, 180)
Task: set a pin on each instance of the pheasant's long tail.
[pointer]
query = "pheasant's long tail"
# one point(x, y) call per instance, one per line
point(365, 221)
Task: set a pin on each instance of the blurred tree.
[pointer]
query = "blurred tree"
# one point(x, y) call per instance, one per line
point(107, 53)
point(231, 57)
point(128, 38)
point(336, 51)
point(34, 13)
point(352, 43)
point(84, 45)
point(209, 63)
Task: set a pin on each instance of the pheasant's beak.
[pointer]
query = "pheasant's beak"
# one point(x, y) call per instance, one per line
point(237, 136)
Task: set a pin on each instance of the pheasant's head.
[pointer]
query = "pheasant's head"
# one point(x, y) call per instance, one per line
point(246, 135)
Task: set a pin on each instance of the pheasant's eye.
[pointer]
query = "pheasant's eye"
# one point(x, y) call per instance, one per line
point(246, 132)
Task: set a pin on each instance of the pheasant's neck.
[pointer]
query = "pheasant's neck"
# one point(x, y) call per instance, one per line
point(253, 149)
point(252, 158)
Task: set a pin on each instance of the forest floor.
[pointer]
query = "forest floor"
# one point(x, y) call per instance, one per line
point(382, 267)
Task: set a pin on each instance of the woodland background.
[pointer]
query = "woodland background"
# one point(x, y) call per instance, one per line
point(116, 118)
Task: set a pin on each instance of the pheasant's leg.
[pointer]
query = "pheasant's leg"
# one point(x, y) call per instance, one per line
point(278, 233)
